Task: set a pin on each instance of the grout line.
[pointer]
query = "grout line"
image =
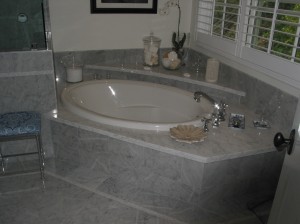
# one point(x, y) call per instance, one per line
point(121, 201)
point(19, 173)
point(20, 191)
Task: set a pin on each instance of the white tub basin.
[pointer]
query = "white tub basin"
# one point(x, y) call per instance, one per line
point(135, 104)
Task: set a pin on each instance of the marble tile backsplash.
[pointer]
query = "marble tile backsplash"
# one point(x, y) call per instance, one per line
point(26, 61)
point(27, 83)
point(267, 101)
point(25, 93)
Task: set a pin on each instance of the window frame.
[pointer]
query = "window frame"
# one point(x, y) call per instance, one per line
point(240, 55)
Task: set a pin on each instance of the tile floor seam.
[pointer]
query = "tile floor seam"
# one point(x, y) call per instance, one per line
point(129, 204)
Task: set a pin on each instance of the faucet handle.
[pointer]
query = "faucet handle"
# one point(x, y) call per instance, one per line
point(216, 120)
point(223, 105)
point(222, 110)
point(206, 121)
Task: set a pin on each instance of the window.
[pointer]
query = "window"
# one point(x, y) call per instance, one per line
point(274, 27)
point(219, 18)
point(218, 24)
point(262, 34)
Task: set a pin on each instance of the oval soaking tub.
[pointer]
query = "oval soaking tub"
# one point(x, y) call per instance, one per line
point(135, 104)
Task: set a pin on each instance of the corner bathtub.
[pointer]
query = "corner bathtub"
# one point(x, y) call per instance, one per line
point(134, 104)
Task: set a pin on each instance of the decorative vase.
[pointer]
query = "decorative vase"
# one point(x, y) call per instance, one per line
point(171, 61)
point(151, 50)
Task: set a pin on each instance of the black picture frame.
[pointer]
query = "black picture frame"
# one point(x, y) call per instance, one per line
point(97, 6)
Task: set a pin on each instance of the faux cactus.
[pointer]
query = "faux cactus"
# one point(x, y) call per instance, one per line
point(177, 43)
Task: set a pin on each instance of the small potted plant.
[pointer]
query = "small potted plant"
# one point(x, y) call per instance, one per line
point(176, 41)
point(170, 58)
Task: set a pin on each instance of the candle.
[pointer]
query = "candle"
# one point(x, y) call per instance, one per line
point(212, 70)
point(74, 74)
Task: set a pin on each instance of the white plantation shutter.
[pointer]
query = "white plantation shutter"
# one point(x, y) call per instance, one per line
point(274, 27)
point(205, 16)
point(219, 19)
point(262, 34)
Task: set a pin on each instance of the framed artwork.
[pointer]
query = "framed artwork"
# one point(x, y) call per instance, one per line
point(124, 6)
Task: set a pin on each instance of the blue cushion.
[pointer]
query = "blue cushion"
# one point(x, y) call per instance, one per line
point(19, 123)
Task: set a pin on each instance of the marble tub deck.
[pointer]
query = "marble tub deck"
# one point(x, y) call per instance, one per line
point(24, 199)
point(66, 199)
point(222, 143)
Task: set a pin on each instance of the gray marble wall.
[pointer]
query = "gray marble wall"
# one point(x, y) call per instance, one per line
point(132, 63)
point(178, 187)
point(266, 100)
point(26, 61)
point(171, 185)
point(273, 104)
point(27, 83)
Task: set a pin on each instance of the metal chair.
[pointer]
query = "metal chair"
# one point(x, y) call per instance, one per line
point(19, 126)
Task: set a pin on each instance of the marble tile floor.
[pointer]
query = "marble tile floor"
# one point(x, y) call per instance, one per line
point(24, 199)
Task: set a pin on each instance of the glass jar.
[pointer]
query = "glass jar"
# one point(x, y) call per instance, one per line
point(171, 61)
point(151, 50)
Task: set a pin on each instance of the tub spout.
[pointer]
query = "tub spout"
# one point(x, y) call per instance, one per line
point(219, 108)
point(198, 95)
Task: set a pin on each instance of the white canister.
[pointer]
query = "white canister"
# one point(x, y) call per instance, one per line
point(212, 70)
point(74, 74)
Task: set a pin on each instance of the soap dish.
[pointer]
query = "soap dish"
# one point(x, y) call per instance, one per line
point(261, 124)
point(237, 121)
point(188, 134)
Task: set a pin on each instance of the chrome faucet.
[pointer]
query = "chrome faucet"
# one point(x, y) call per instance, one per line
point(219, 113)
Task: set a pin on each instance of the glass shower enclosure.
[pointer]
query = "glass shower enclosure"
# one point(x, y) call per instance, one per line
point(22, 26)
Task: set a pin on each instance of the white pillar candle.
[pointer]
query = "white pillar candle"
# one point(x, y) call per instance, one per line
point(74, 74)
point(212, 70)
